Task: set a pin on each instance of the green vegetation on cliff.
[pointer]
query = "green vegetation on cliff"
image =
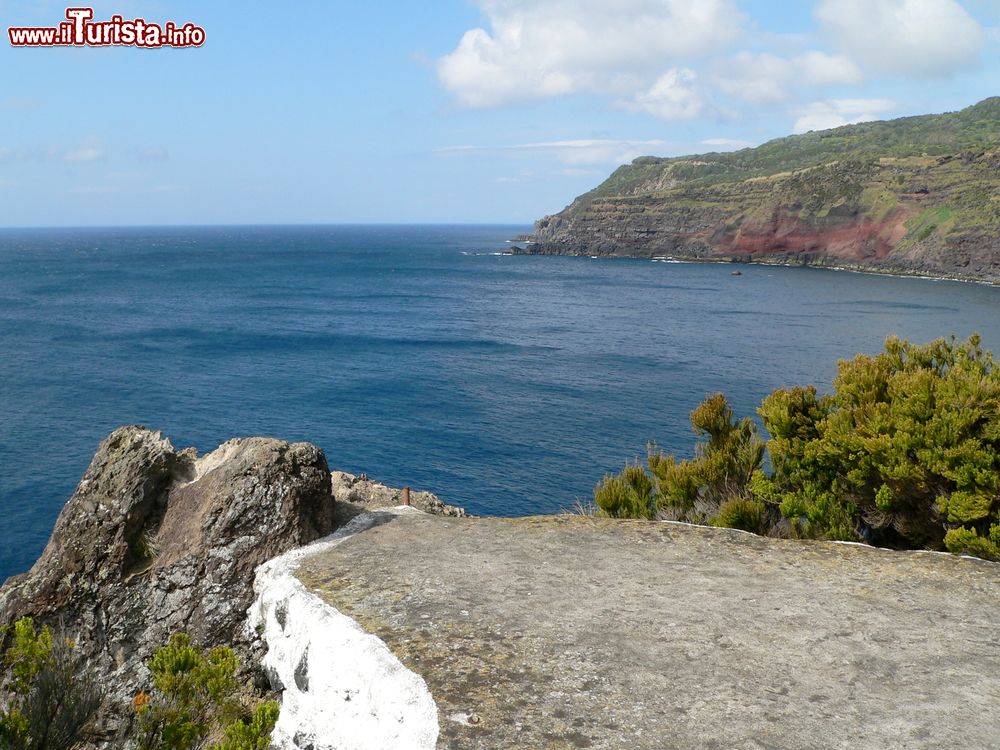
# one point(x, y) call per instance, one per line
point(48, 697)
point(195, 699)
point(904, 453)
point(974, 128)
point(47, 694)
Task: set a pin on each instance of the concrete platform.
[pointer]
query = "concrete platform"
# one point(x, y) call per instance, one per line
point(575, 632)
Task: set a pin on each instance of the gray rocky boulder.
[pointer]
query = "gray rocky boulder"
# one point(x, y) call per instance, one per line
point(156, 541)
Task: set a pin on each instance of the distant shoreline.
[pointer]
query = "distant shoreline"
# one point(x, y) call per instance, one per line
point(763, 261)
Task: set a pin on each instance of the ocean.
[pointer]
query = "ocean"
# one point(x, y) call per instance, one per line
point(417, 354)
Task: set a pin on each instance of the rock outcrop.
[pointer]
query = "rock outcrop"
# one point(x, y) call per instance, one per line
point(911, 196)
point(156, 541)
point(575, 632)
point(359, 494)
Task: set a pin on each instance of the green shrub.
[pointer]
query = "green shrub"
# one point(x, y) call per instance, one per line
point(904, 453)
point(905, 449)
point(746, 513)
point(49, 696)
point(626, 495)
point(725, 460)
point(968, 542)
point(689, 490)
point(194, 699)
point(253, 733)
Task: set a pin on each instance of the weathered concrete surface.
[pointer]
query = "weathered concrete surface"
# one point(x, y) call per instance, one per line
point(573, 632)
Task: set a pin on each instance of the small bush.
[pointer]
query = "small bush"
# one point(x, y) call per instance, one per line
point(743, 513)
point(194, 699)
point(49, 695)
point(689, 490)
point(253, 733)
point(904, 453)
point(626, 495)
point(964, 541)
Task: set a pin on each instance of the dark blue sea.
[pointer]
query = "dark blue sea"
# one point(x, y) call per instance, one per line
point(508, 385)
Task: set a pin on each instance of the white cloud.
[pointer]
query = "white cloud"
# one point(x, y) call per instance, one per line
point(822, 69)
point(837, 112)
point(757, 78)
point(672, 97)
point(90, 150)
point(529, 176)
point(766, 78)
point(152, 153)
point(545, 48)
point(576, 153)
point(110, 189)
point(589, 152)
point(84, 153)
point(909, 37)
point(95, 190)
point(580, 172)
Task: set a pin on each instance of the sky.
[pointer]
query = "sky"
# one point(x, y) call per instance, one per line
point(464, 111)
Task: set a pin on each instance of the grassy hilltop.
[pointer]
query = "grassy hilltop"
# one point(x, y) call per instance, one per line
point(917, 194)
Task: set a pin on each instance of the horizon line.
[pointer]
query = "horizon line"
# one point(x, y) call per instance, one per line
point(269, 225)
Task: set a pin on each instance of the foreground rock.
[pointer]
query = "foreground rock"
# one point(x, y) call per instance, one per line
point(156, 541)
point(573, 632)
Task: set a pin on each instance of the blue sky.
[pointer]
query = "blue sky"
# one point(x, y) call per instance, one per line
point(459, 112)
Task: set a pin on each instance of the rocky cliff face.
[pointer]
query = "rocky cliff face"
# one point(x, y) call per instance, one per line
point(156, 541)
point(908, 196)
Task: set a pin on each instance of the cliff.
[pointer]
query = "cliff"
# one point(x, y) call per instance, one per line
point(916, 195)
point(404, 629)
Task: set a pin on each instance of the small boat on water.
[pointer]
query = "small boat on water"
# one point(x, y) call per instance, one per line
point(736, 273)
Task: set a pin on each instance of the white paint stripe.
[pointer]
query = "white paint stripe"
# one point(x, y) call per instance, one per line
point(352, 693)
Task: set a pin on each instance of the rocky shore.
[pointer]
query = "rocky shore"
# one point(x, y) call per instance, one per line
point(782, 260)
point(359, 494)
point(379, 625)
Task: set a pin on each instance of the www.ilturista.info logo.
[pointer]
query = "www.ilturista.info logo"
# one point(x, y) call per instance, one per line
point(80, 30)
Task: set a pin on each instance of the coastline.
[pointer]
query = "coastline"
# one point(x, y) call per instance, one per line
point(763, 261)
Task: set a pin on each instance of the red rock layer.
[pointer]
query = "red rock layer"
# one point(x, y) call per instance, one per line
point(855, 238)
